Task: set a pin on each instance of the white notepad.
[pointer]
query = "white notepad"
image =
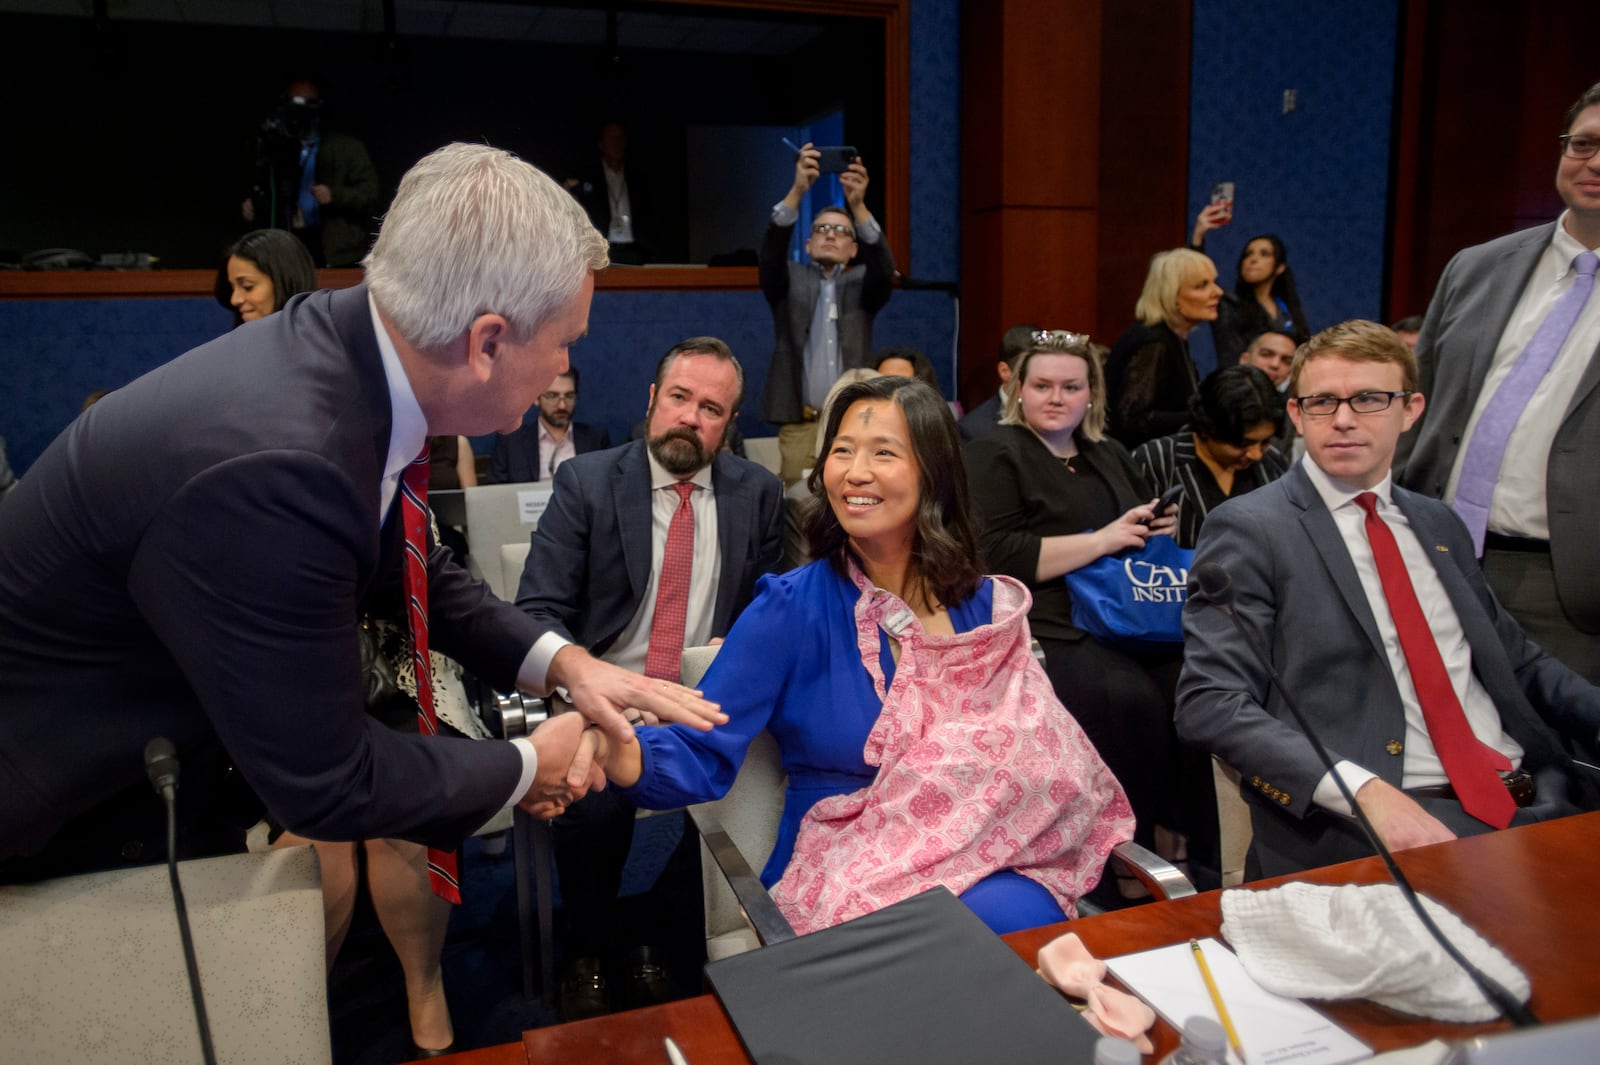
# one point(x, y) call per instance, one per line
point(1272, 1029)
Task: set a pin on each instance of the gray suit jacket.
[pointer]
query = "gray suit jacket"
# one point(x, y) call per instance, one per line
point(792, 289)
point(1474, 302)
point(589, 563)
point(1296, 586)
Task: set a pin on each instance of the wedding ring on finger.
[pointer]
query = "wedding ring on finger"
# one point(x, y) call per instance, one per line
point(636, 721)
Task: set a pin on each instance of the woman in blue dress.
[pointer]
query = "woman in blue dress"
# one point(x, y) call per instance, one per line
point(922, 742)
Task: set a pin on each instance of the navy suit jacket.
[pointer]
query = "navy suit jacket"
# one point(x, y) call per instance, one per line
point(191, 558)
point(589, 563)
point(1295, 585)
point(516, 455)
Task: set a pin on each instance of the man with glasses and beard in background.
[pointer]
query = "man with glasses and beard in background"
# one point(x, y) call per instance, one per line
point(645, 549)
point(533, 452)
point(822, 310)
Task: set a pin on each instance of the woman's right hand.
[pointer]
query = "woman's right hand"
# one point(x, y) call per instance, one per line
point(1130, 530)
point(1212, 216)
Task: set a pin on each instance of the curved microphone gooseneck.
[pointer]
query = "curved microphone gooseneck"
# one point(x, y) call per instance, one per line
point(1210, 585)
point(161, 766)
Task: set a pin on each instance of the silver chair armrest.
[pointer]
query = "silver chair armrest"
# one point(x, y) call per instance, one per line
point(770, 925)
point(510, 716)
point(1164, 879)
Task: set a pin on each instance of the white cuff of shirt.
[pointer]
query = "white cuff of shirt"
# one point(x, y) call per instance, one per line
point(530, 767)
point(531, 677)
point(1327, 793)
point(535, 669)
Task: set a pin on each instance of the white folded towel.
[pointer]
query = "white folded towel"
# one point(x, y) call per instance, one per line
point(1363, 941)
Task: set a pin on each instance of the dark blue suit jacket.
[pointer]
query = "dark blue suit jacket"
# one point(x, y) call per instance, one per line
point(190, 559)
point(589, 563)
point(516, 455)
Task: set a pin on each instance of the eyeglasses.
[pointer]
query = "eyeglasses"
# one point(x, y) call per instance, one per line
point(834, 227)
point(1361, 402)
point(1579, 147)
point(558, 397)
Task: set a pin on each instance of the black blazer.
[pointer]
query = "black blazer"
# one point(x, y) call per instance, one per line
point(1150, 379)
point(589, 561)
point(516, 455)
point(1014, 480)
point(190, 559)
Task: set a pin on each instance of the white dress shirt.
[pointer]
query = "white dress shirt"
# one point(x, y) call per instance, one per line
point(553, 452)
point(1422, 767)
point(408, 431)
point(633, 645)
point(1519, 506)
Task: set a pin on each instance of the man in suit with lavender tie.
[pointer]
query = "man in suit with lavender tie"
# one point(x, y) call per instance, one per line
point(1510, 360)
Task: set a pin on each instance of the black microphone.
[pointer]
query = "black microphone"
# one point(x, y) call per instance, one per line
point(161, 766)
point(1210, 585)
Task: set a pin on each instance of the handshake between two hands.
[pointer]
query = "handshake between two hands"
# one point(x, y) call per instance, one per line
point(578, 751)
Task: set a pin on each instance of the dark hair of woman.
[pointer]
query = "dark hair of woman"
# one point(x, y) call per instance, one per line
point(922, 369)
point(1252, 319)
point(945, 550)
point(276, 253)
point(1234, 400)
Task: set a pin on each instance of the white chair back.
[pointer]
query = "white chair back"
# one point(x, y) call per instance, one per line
point(94, 969)
point(499, 514)
point(750, 813)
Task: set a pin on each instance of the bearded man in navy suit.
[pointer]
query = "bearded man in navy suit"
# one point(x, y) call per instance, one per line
point(595, 573)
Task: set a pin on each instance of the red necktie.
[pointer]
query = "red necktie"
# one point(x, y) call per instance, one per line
point(664, 658)
point(1471, 765)
point(414, 512)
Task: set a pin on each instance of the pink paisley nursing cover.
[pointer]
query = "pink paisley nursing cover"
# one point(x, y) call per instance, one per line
point(980, 768)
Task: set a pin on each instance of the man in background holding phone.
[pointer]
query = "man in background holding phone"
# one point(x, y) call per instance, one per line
point(822, 310)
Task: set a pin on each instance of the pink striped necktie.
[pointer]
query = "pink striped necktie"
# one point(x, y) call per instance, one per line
point(414, 511)
point(664, 659)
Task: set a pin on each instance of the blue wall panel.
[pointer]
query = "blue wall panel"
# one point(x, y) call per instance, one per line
point(1317, 177)
point(53, 353)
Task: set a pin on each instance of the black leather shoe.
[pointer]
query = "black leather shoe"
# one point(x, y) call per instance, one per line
point(583, 991)
point(646, 982)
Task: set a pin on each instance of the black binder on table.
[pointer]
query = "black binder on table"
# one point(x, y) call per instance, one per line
point(922, 982)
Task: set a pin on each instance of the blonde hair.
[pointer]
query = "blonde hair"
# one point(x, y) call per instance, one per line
point(1062, 342)
point(1359, 341)
point(1170, 272)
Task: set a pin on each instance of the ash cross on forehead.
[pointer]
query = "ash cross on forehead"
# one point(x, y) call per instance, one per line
point(866, 415)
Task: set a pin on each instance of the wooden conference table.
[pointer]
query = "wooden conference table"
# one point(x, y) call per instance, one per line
point(1531, 891)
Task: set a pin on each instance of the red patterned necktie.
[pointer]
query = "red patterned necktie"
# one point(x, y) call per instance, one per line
point(1471, 765)
point(414, 511)
point(664, 658)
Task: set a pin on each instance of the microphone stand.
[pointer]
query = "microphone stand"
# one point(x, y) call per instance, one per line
point(1212, 586)
point(161, 763)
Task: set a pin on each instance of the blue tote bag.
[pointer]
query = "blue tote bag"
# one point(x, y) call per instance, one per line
point(1134, 596)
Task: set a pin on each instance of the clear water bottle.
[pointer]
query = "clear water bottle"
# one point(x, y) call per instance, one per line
point(1110, 1050)
point(1204, 1043)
